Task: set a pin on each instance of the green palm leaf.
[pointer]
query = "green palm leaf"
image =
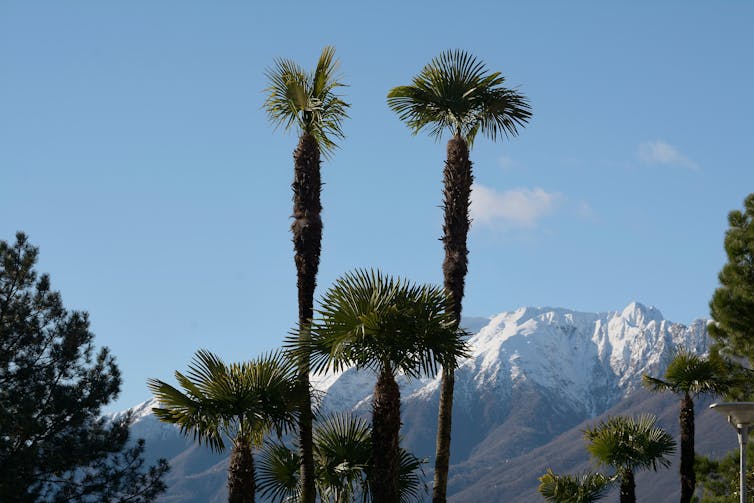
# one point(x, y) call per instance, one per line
point(455, 92)
point(308, 101)
point(631, 444)
point(278, 473)
point(692, 374)
point(375, 321)
point(224, 401)
point(585, 487)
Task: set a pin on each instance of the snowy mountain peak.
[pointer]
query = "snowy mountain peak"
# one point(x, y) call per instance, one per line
point(638, 313)
point(590, 359)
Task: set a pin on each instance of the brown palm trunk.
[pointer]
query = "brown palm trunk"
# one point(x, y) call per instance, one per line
point(457, 179)
point(688, 476)
point(307, 242)
point(628, 487)
point(386, 425)
point(241, 484)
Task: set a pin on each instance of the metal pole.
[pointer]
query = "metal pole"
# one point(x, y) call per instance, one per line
point(743, 438)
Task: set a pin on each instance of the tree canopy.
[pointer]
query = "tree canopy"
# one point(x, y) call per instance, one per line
point(732, 304)
point(54, 444)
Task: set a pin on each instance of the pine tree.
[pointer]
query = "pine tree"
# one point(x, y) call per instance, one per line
point(54, 445)
point(732, 304)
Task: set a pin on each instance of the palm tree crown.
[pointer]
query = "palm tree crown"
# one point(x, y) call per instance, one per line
point(378, 322)
point(629, 444)
point(456, 92)
point(690, 373)
point(240, 402)
point(585, 487)
point(307, 100)
point(221, 401)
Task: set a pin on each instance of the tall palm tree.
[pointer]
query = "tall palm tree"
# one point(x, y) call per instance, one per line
point(456, 93)
point(583, 488)
point(342, 457)
point(689, 375)
point(239, 402)
point(387, 325)
point(308, 102)
point(629, 444)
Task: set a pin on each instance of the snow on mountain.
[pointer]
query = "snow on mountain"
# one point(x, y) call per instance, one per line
point(590, 359)
point(531, 375)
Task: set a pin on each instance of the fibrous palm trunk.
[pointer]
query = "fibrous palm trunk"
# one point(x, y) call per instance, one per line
point(241, 484)
point(688, 476)
point(307, 242)
point(386, 425)
point(628, 487)
point(457, 179)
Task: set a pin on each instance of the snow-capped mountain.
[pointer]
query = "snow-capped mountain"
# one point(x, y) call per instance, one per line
point(531, 375)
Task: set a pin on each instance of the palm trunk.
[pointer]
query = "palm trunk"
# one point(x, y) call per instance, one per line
point(628, 487)
point(688, 476)
point(457, 179)
point(386, 425)
point(307, 241)
point(241, 484)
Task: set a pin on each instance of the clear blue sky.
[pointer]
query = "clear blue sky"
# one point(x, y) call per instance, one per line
point(135, 154)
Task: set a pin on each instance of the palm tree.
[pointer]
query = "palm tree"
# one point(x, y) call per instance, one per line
point(689, 375)
point(387, 325)
point(308, 102)
point(239, 402)
point(583, 488)
point(629, 444)
point(455, 92)
point(342, 456)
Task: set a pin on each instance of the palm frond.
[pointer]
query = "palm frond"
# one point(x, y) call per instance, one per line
point(456, 93)
point(308, 101)
point(371, 320)
point(627, 443)
point(237, 401)
point(691, 373)
point(586, 487)
point(278, 473)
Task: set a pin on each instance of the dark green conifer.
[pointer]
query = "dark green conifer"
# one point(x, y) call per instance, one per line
point(54, 445)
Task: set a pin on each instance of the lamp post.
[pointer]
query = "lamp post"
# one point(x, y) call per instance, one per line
point(740, 416)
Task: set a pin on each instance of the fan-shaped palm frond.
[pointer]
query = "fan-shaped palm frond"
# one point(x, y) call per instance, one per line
point(278, 473)
point(628, 443)
point(586, 487)
point(692, 374)
point(375, 321)
point(342, 451)
point(222, 400)
point(307, 100)
point(456, 92)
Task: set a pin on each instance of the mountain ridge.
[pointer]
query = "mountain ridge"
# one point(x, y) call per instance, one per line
point(532, 375)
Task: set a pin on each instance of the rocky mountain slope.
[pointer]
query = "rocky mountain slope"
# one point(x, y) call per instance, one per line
point(534, 378)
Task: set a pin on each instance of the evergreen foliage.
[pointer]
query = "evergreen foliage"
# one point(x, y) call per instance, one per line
point(54, 445)
point(732, 304)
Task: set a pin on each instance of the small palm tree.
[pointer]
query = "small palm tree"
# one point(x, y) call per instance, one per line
point(583, 488)
point(342, 457)
point(689, 375)
point(456, 93)
point(308, 102)
point(239, 402)
point(629, 444)
point(387, 325)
